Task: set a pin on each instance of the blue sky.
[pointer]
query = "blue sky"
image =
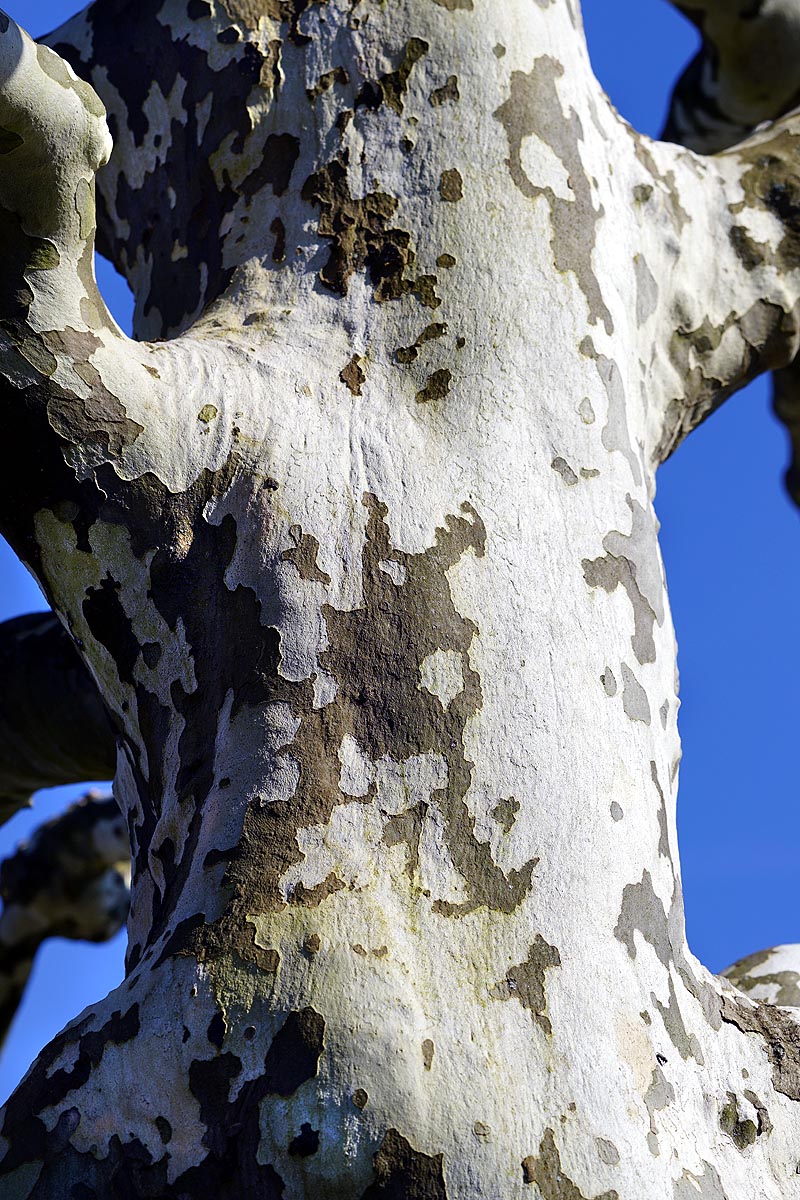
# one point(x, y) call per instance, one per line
point(731, 543)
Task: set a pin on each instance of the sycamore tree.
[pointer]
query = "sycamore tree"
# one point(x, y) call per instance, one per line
point(359, 597)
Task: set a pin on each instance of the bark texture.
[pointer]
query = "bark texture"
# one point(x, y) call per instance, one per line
point(357, 543)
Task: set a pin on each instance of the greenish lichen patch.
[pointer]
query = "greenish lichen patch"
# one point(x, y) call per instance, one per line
point(609, 1154)
point(374, 654)
point(643, 911)
point(660, 1094)
point(646, 289)
point(742, 1132)
point(684, 1042)
point(57, 69)
point(632, 563)
point(784, 984)
point(505, 813)
point(707, 1186)
point(634, 698)
point(770, 183)
point(751, 254)
point(616, 434)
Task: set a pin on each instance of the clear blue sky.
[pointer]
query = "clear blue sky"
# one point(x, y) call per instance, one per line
point(731, 542)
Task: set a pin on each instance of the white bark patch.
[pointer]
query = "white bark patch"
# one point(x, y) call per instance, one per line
point(441, 674)
point(395, 570)
point(357, 771)
point(544, 168)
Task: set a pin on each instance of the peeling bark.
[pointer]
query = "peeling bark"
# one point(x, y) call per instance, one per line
point(356, 543)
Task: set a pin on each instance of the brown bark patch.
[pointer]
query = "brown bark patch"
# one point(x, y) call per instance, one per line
point(276, 166)
point(781, 1036)
point(436, 386)
point(448, 92)
point(403, 1173)
point(360, 233)
point(407, 354)
point(391, 88)
point(352, 375)
point(303, 555)
point(248, 13)
point(326, 82)
point(451, 185)
point(526, 982)
point(546, 1172)
point(278, 230)
point(305, 1143)
point(293, 1057)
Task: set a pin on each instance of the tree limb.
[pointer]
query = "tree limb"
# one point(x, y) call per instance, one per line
point(727, 316)
point(745, 72)
point(54, 728)
point(70, 880)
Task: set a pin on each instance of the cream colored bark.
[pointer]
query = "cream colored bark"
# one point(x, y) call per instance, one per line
point(359, 547)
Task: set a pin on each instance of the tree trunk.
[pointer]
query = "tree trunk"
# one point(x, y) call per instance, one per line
point(358, 545)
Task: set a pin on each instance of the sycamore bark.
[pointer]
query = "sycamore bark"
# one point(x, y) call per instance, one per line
point(356, 541)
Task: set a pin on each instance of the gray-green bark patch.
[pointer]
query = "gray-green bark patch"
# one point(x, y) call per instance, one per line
point(526, 981)
point(534, 108)
point(546, 1171)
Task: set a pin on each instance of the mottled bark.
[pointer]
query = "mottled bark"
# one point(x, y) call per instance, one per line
point(54, 728)
point(70, 880)
point(358, 544)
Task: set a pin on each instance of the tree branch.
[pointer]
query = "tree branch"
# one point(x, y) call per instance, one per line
point(54, 728)
point(727, 314)
point(54, 138)
point(217, 79)
point(71, 880)
point(745, 72)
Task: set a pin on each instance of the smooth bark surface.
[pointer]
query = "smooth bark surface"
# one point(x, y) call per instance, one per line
point(357, 543)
